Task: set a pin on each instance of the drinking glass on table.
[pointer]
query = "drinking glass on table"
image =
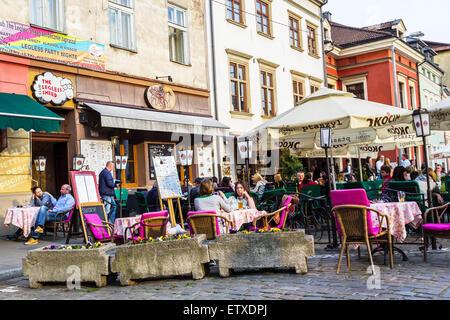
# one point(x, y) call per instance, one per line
point(401, 196)
point(240, 204)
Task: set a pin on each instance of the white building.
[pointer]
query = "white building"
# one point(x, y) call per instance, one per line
point(264, 56)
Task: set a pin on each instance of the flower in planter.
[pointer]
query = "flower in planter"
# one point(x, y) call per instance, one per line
point(247, 232)
point(275, 230)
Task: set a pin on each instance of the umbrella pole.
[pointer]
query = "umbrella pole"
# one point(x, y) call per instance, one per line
point(360, 168)
point(332, 168)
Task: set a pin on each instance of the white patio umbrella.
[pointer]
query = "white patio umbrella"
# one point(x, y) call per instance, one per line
point(440, 115)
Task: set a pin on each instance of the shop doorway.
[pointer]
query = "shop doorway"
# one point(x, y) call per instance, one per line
point(54, 147)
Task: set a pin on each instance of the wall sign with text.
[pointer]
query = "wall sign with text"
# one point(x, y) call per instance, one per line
point(48, 88)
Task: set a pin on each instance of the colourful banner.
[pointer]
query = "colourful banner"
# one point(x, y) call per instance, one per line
point(35, 43)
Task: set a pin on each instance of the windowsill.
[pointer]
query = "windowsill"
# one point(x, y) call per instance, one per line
point(266, 35)
point(239, 24)
point(267, 117)
point(297, 48)
point(123, 48)
point(241, 115)
point(314, 55)
point(181, 63)
point(48, 29)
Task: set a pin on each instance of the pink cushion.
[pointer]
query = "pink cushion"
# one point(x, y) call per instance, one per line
point(352, 197)
point(149, 215)
point(100, 233)
point(282, 216)
point(437, 226)
point(193, 213)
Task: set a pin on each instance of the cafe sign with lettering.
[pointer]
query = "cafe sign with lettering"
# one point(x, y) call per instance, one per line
point(49, 88)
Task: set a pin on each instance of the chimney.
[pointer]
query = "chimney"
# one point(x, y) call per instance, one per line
point(327, 15)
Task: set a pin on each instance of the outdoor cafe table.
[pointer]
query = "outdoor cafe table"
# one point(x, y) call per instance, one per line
point(400, 214)
point(24, 218)
point(239, 217)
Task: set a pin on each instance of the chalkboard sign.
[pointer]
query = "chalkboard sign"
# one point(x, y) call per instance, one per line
point(97, 208)
point(159, 150)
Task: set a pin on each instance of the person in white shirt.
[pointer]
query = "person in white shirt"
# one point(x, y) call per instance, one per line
point(405, 162)
point(379, 164)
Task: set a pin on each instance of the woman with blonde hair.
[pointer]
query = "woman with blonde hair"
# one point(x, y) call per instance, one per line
point(260, 185)
point(278, 182)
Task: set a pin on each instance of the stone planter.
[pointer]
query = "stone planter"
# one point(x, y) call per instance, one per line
point(262, 250)
point(161, 259)
point(58, 265)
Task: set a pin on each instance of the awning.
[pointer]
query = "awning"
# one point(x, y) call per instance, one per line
point(19, 111)
point(136, 119)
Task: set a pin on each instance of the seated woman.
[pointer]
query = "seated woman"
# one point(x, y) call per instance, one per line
point(40, 198)
point(208, 201)
point(242, 193)
point(400, 174)
point(260, 185)
point(226, 185)
point(278, 182)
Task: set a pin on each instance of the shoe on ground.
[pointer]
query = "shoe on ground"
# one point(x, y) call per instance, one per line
point(39, 229)
point(31, 241)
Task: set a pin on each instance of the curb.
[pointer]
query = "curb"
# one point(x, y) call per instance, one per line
point(10, 273)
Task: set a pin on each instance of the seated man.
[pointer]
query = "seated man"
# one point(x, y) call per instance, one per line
point(153, 199)
point(64, 203)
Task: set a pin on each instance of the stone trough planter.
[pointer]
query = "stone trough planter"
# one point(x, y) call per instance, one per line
point(161, 259)
point(262, 250)
point(54, 265)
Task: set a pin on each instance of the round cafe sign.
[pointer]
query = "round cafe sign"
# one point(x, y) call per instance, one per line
point(48, 88)
point(160, 97)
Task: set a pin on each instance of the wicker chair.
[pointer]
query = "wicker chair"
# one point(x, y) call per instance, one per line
point(152, 224)
point(60, 222)
point(280, 214)
point(100, 230)
point(352, 220)
point(435, 228)
point(206, 222)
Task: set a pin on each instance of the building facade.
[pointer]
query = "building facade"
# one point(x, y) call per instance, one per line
point(360, 61)
point(265, 56)
point(136, 89)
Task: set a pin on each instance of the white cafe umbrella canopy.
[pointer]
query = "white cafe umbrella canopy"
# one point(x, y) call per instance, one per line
point(440, 115)
point(353, 121)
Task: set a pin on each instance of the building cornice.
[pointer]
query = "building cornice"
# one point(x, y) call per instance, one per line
point(303, 9)
point(238, 54)
point(267, 63)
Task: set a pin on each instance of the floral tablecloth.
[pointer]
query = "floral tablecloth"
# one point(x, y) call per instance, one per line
point(239, 217)
point(400, 214)
point(24, 218)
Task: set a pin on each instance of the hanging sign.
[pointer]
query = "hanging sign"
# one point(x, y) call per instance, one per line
point(48, 88)
point(160, 97)
point(242, 146)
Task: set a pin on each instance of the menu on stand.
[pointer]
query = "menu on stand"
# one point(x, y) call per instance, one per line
point(167, 177)
point(96, 154)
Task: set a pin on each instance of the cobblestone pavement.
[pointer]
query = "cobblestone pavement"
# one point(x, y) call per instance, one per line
point(412, 279)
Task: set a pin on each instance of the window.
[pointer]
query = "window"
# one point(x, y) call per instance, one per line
point(312, 44)
point(412, 96)
point(238, 83)
point(401, 90)
point(267, 93)
point(129, 175)
point(313, 88)
point(178, 35)
point(234, 10)
point(298, 90)
point(294, 32)
point(263, 17)
point(47, 14)
point(357, 89)
point(121, 23)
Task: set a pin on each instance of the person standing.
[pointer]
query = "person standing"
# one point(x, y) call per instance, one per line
point(369, 169)
point(405, 162)
point(64, 204)
point(106, 187)
point(348, 174)
point(300, 177)
point(378, 164)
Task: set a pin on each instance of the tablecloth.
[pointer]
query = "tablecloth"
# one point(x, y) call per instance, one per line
point(24, 218)
point(239, 217)
point(400, 214)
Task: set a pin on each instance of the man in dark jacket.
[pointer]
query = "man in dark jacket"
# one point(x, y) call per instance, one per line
point(106, 185)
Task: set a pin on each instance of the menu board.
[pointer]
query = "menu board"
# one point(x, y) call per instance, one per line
point(204, 162)
point(159, 150)
point(226, 169)
point(96, 154)
point(167, 177)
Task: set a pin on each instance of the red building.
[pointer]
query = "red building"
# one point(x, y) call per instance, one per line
point(360, 61)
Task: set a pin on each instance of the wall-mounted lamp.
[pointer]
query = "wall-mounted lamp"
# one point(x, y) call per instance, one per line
point(78, 162)
point(114, 140)
point(169, 78)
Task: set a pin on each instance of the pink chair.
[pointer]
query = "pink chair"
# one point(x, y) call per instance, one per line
point(101, 230)
point(352, 197)
point(206, 222)
point(434, 225)
point(152, 224)
point(282, 213)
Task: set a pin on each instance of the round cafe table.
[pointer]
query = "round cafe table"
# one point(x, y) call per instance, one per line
point(23, 218)
point(239, 217)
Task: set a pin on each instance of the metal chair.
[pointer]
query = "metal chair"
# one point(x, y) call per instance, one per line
point(55, 225)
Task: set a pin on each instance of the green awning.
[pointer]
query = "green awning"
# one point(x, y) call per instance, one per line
point(20, 111)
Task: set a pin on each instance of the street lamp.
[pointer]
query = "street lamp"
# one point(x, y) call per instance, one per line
point(325, 143)
point(186, 157)
point(78, 162)
point(40, 167)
